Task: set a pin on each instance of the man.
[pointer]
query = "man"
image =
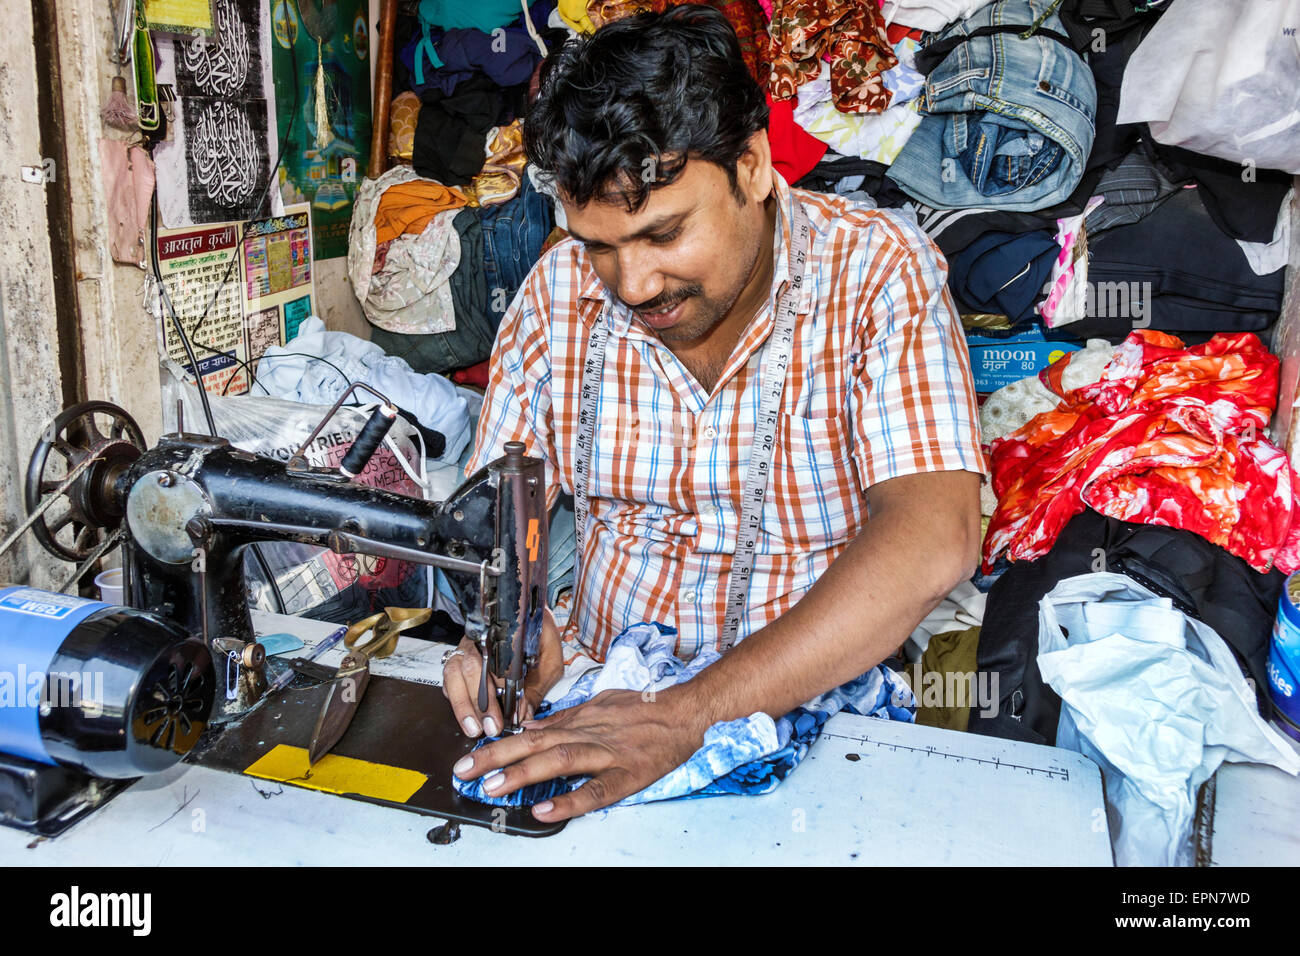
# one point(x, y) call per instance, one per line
point(682, 237)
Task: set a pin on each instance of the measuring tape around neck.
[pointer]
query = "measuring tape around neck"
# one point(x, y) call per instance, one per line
point(780, 351)
point(593, 367)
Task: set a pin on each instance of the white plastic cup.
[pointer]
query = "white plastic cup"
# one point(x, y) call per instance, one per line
point(110, 586)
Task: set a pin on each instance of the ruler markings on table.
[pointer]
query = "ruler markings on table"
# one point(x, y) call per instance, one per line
point(1058, 773)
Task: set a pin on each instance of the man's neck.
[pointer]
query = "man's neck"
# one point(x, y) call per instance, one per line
point(759, 287)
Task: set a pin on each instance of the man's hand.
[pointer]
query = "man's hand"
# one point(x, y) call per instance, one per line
point(463, 672)
point(622, 739)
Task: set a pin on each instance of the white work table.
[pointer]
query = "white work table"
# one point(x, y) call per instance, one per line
point(869, 790)
point(1256, 819)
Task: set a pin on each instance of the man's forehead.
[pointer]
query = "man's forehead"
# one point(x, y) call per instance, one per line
point(607, 218)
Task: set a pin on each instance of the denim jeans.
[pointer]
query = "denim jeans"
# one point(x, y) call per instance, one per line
point(1007, 122)
point(513, 234)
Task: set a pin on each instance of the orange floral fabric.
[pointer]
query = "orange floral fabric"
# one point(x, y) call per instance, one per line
point(850, 33)
point(746, 17)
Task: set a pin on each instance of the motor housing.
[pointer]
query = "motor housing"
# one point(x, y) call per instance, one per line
point(114, 692)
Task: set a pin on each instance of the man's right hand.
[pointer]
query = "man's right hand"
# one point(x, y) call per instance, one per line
point(463, 672)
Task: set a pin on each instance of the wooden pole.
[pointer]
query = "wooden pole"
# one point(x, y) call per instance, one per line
point(383, 90)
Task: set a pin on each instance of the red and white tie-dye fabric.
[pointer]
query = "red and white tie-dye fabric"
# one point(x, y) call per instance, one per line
point(1170, 436)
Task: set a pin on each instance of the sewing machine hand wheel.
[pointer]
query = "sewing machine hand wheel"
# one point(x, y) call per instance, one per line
point(106, 440)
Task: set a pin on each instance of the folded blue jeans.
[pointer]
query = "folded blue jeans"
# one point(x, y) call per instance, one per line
point(751, 755)
point(1007, 121)
point(513, 235)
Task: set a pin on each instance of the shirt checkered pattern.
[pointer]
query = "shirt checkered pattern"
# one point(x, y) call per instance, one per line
point(879, 386)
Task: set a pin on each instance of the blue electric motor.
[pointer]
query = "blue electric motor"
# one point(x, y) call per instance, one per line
point(114, 692)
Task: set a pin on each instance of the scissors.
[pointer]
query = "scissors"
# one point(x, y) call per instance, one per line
point(353, 676)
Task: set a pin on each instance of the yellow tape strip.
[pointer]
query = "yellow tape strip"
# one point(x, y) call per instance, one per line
point(336, 774)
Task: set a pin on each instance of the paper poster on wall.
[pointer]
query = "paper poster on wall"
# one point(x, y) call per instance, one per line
point(322, 43)
point(255, 293)
point(198, 266)
point(216, 162)
point(277, 274)
point(295, 313)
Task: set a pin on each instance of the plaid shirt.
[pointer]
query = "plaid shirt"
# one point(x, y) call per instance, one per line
point(879, 386)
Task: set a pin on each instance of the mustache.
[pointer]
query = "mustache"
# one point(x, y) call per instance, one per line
point(667, 300)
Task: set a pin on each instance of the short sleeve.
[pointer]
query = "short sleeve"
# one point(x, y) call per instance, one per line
point(517, 402)
point(912, 395)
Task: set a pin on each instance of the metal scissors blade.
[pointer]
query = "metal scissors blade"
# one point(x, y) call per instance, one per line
point(341, 702)
point(353, 676)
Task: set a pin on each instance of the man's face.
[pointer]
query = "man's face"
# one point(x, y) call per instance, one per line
point(682, 260)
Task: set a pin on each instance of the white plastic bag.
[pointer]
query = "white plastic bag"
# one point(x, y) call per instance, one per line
point(1221, 77)
point(317, 364)
point(315, 581)
point(1156, 699)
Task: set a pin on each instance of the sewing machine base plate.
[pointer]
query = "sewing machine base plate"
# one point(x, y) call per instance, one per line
point(46, 800)
point(402, 725)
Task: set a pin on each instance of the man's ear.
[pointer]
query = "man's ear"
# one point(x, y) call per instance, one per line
point(754, 168)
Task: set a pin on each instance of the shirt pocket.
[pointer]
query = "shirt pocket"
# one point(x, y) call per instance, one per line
point(809, 484)
point(636, 458)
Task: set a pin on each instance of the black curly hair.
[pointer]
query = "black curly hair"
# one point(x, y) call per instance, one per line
point(620, 112)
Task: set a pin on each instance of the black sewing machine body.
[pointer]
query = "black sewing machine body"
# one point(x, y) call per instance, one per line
point(184, 512)
point(192, 504)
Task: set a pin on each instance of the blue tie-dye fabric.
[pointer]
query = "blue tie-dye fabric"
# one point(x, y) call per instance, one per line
point(751, 755)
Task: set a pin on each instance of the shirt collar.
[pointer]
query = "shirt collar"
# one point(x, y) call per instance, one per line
point(594, 296)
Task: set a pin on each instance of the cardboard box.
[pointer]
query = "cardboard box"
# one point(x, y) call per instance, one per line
point(1000, 361)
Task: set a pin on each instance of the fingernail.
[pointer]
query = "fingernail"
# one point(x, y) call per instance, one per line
point(466, 764)
point(494, 781)
point(489, 726)
point(471, 726)
point(544, 807)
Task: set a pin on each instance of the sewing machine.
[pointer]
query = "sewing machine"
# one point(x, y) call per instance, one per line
point(185, 510)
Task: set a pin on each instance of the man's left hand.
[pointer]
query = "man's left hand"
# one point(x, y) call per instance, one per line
point(623, 740)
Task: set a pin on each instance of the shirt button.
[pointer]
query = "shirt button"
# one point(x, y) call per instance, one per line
point(709, 510)
point(689, 597)
point(710, 433)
